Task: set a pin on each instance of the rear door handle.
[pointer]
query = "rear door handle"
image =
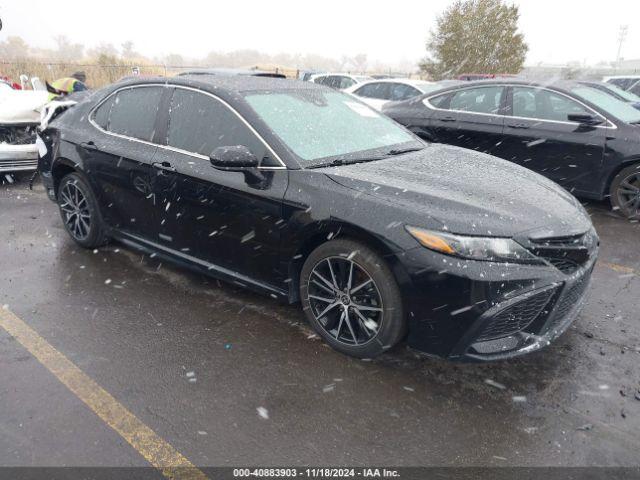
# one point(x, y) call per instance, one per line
point(166, 166)
point(89, 145)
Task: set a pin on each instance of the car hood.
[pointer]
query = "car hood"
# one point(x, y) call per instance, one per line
point(467, 192)
point(21, 106)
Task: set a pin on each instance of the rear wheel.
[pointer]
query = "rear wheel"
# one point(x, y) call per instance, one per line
point(79, 212)
point(351, 298)
point(625, 191)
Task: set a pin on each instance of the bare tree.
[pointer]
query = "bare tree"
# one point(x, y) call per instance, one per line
point(14, 48)
point(67, 51)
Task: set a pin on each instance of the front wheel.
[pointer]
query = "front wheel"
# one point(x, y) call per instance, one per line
point(625, 191)
point(79, 212)
point(351, 298)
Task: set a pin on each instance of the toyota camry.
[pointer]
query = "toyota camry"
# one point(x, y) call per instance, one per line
point(308, 195)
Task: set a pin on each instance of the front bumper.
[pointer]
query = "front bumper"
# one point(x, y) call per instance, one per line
point(15, 158)
point(479, 311)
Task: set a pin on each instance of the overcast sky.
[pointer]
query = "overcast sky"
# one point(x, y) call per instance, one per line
point(556, 30)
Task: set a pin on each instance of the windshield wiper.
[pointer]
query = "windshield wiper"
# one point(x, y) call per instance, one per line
point(400, 151)
point(342, 161)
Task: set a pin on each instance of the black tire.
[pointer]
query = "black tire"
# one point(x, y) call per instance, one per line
point(625, 192)
point(80, 213)
point(376, 321)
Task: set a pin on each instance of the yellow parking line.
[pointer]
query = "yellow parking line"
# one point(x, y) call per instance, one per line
point(158, 452)
point(617, 268)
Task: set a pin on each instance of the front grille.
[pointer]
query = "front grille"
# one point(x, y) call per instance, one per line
point(517, 316)
point(568, 254)
point(571, 297)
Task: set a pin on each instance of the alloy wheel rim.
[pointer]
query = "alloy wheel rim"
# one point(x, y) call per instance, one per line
point(75, 210)
point(345, 301)
point(629, 194)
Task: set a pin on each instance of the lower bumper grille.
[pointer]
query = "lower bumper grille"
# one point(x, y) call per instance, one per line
point(569, 298)
point(516, 317)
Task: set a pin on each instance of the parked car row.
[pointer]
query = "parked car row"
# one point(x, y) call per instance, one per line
point(629, 83)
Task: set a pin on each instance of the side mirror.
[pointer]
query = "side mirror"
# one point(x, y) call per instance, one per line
point(584, 119)
point(233, 158)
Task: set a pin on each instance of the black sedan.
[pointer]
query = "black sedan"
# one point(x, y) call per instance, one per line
point(578, 136)
point(306, 194)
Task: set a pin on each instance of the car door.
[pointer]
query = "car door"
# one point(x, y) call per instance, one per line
point(119, 155)
point(539, 136)
point(479, 118)
point(230, 220)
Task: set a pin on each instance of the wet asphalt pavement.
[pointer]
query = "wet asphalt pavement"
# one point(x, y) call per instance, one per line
point(140, 328)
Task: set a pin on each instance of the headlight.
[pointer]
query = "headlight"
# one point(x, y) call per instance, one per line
point(492, 249)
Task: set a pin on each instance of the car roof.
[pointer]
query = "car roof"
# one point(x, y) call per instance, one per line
point(555, 84)
point(232, 71)
point(227, 85)
point(405, 81)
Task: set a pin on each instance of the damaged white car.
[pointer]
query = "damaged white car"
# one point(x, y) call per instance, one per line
point(19, 117)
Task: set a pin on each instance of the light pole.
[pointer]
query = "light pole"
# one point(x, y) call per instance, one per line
point(622, 35)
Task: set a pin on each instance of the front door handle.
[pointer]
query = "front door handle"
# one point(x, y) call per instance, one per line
point(166, 166)
point(89, 145)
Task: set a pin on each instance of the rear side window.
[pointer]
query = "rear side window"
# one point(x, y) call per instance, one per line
point(377, 90)
point(199, 123)
point(133, 112)
point(345, 82)
point(479, 100)
point(401, 91)
point(441, 101)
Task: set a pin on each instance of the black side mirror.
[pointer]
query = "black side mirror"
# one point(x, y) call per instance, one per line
point(233, 158)
point(584, 119)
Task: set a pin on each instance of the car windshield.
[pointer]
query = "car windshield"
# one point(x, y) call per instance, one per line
point(320, 127)
point(628, 96)
point(619, 109)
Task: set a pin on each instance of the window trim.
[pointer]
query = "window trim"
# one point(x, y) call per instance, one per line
point(608, 123)
point(91, 116)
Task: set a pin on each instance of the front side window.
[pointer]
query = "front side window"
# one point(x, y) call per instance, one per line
point(199, 123)
point(133, 112)
point(544, 104)
point(317, 125)
point(479, 100)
